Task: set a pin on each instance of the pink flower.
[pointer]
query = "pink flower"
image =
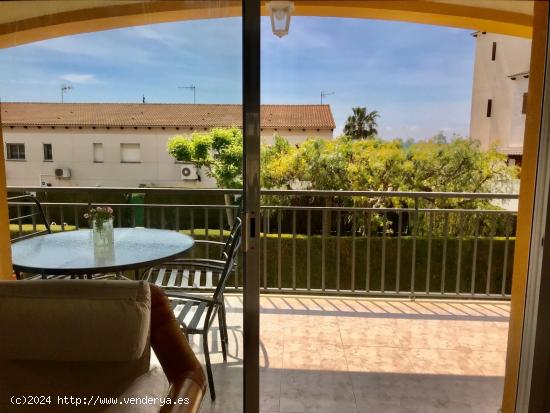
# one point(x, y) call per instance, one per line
point(99, 209)
point(86, 216)
point(109, 210)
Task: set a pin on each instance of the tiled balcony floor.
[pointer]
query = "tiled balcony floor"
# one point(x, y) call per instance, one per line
point(368, 355)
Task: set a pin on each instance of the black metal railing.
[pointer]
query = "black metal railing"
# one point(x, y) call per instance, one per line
point(328, 242)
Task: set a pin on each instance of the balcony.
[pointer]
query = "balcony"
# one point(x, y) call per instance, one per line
point(347, 354)
point(367, 305)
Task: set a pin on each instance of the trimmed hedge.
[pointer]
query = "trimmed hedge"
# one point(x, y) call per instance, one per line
point(500, 268)
point(440, 277)
point(154, 217)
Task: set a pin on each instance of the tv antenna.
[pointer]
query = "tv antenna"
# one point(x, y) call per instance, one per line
point(193, 88)
point(325, 94)
point(65, 89)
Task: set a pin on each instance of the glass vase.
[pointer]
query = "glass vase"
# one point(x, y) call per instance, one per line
point(102, 233)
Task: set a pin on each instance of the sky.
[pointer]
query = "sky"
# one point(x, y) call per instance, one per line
point(418, 77)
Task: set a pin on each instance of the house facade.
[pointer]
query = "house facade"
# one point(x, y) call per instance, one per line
point(124, 145)
point(499, 94)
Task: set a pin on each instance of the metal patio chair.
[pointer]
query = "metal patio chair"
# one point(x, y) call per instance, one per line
point(218, 263)
point(197, 312)
point(23, 218)
point(33, 218)
point(215, 263)
point(175, 274)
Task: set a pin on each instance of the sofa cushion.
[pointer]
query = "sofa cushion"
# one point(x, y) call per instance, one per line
point(144, 395)
point(74, 320)
point(81, 338)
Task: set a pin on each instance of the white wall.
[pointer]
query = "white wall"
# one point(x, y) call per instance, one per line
point(73, 148)
point(491, 81)
point(514, 143)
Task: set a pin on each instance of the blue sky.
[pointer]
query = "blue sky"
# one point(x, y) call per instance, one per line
point(418, 77)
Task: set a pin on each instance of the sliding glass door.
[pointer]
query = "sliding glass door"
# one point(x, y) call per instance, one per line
point(151, 108)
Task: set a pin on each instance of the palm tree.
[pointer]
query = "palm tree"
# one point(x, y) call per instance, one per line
point(361, 124)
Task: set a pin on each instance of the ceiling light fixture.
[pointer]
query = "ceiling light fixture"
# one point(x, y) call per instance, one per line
point(280, 12)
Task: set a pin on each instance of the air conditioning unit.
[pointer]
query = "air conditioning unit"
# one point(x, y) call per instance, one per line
point(63, 173)
point(189, 172)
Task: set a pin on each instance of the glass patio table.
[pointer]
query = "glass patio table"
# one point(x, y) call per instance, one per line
point(73, 253)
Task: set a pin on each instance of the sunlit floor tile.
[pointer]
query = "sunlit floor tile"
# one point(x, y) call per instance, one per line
point(358, 355)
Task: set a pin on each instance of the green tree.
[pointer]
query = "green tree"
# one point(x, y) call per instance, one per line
point(219, 151)
point(433, 165)
point(458, 165)
point(361, 124)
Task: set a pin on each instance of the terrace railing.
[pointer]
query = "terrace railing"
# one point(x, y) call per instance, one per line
point(415, 244)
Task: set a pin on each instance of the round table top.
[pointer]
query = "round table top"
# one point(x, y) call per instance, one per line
point(73, 252)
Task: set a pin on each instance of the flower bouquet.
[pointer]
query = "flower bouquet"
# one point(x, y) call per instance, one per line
point(101, 224)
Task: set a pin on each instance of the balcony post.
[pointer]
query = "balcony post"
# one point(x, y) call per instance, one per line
point(327, 216)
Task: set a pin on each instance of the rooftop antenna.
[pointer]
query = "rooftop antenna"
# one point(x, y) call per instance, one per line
point(193, 88)
point(64, 89)
point(325, 94)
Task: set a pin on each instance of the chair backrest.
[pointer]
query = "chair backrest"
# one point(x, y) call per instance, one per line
point(232, 251)
point(28, 225)
point(238, 212)
point(72, 337)
point(230, 239)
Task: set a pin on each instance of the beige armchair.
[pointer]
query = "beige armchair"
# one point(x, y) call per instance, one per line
point(93, 346)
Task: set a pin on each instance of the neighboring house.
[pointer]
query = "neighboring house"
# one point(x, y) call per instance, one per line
point(499, 95)
point(120, 144)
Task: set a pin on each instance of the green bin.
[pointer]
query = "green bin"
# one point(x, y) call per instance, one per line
point(137, 214)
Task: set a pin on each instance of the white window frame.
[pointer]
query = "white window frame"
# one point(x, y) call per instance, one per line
point(130, 152)
point(97, 145)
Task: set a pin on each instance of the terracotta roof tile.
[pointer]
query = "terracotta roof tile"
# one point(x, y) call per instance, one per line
point(157, 115)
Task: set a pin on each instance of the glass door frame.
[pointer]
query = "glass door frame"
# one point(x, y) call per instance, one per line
point(534, 374)
point(251, 192)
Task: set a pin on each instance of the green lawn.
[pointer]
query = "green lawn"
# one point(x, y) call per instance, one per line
point(356, 265)
point(28, 228)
